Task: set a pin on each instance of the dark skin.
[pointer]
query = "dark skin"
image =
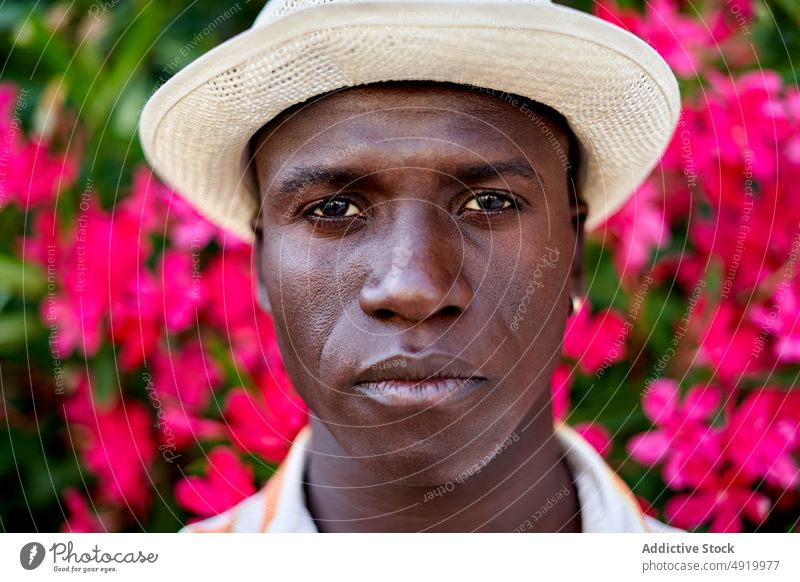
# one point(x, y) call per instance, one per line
point(404, 219)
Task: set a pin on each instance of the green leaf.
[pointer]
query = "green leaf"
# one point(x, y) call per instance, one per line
point(21, 279)
point(19, 328)
point(105, 384)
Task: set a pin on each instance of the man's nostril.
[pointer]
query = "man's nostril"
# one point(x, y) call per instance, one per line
point(450, 310)
point(383, 313)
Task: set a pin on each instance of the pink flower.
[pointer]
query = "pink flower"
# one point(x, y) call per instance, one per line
point(33, 175)
point(253, 344)
point(163, 212)
point(181, 289)
point(81, 519)
point(723, 499)
point(42, 245)
point(737, 137)
point(761, 441)
point(135, 324)
point(560, 387)
point(639, 228)
point(146, 202)
point(281, 399)
point(227, 482)
point(189, 229)
point(729, 344)
point(647, 507)
point(104, 274)
point(229, 279)
point(186, 375)
point(266, 424)
point(682, 440)
point(685, 41)
point(181, 428)
point(778, 320)
point(596, 340)
point(681, 40)
point(79, 310)
point(596, 435)
point(118, 448)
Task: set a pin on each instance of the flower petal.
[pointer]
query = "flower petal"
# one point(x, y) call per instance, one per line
point(660, 401)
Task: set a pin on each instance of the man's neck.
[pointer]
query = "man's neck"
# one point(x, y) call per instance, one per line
point(528, 487)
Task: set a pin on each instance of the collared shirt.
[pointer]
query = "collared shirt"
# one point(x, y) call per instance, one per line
point(606, 502)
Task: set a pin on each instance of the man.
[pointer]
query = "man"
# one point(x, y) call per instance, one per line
point(416, 180)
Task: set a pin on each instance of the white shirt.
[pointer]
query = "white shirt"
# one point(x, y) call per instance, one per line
point(606, 502)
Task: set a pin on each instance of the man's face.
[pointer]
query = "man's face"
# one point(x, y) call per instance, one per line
point(416, 250)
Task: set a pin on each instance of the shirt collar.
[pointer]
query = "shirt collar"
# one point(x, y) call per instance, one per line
point(607, 504)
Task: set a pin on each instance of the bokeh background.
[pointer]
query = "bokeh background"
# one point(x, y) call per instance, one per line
point(141, 385)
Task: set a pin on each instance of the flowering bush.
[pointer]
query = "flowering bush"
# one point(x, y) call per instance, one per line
point(142, 385)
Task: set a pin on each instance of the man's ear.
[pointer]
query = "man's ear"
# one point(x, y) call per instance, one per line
point(261, 287)
point(578, 212)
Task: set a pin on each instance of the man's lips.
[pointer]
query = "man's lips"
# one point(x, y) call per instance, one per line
point(407, 381)
point(419, 393)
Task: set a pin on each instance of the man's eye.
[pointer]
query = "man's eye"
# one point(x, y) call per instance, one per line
point(490, 201)
point(334, 208)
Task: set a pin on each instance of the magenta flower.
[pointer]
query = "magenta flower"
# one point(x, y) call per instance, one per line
point(738, 136)
point(282, 400)
point(163, 212)
point(188, 229)
point(104, 273)
point(181, 289)
point(229, 278)
point(639, 228)
point(146, 202)
point(682, 439)
point(681, 40)
point(760, 440)
point(42, 244)
point(594, 340)
point(253, 344)
point(32, 174)
point(186, 375)
point(728, 345)
point(80, 309)
point(779, 317)
point(135, 322)
point(118, 448)
point(560, 384)
point(182, 428)
point(266, 424)
point(685, 42)
point(596, 435)
point(724, 500)
point(227, 482)
point(80, 518)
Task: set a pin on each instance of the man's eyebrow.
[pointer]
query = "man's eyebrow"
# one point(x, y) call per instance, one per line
point(307, 176)
point(521, 168)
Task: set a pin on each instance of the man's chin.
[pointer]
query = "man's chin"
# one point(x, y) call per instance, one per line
point(430, 463)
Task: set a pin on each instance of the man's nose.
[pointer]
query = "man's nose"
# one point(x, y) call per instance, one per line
point(419, 274)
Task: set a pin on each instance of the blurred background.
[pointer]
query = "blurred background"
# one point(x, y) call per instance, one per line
point(141, 386)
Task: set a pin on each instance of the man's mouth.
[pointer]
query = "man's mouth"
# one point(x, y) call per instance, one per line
point(418, 382)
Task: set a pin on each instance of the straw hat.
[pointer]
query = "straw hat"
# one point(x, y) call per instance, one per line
point(620, 98)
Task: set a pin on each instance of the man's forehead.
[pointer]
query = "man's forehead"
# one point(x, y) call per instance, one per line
point(366, 107)
point(377, 96)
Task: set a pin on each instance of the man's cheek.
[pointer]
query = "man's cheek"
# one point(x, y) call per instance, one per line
point(533, 300)
point(313, 296)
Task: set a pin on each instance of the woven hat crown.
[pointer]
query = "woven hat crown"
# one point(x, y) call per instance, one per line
point(276, 9)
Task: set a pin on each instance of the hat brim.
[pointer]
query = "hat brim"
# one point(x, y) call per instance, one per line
point(617, 94)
